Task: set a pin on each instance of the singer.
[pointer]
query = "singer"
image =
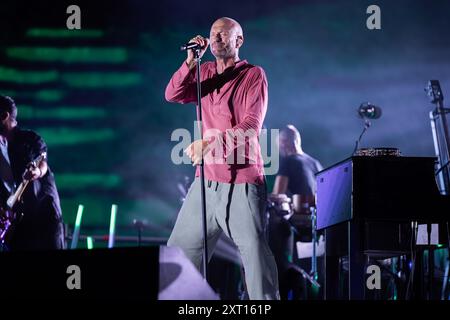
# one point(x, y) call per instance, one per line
point(234, 100)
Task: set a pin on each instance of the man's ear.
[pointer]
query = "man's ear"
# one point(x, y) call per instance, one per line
point(239, 41)
point(4, 115)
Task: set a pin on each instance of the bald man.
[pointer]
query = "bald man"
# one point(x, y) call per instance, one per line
point(234, 104)
point(296, 178)
point(297, 169)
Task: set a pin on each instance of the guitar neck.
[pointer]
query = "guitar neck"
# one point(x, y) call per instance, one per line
point(12, 200)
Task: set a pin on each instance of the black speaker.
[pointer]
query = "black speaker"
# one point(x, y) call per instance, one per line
point(148, 273)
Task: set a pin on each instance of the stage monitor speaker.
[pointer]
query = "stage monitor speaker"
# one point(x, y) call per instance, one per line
point(179, 279)
point(148, 273)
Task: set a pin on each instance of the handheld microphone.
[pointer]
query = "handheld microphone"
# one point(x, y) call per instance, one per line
point(190, 45)
point(369, 111)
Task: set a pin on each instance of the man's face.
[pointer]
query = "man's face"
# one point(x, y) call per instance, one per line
point(287, 146)
point(4, 117)
point(283, 144)
point(7, 122)
point(223, 39)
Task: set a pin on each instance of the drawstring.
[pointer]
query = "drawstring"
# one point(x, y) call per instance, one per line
point(216, 184)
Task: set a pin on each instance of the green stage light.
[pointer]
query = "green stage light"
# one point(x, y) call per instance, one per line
point(63, 33)
point(48, 95)
point(69, 55)
point(112, 226)
point(11, 93)
point(81, 181)
point(63, 113)
point(76, 231)
point(101, 79)
point(69, 136)
point(90, 243)
point(27, 77)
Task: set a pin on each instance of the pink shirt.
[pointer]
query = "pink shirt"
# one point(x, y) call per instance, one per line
point(234, 105)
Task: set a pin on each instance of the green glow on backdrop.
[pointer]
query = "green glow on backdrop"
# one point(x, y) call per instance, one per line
point(27, 77)
point(64, 113)
point(68, 136)
point(69, 55)
point(64, 33)
point(71, 181)
point(73, 79)
point(48, 95)
point(102, 79)
point(10, 93)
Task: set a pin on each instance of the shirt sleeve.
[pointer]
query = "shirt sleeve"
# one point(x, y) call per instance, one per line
point(255, 105)
point(182, 86)
point(305, 180)
point(38, 146)
point(284, 169)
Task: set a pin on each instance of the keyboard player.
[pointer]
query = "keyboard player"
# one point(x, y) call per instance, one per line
point(296, 178)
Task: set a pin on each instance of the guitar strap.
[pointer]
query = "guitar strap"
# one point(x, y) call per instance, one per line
point(6, 173)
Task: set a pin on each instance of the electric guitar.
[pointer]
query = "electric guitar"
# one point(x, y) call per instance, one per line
point(10, 216)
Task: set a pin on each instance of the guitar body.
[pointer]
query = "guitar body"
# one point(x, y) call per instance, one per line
point(8, 221)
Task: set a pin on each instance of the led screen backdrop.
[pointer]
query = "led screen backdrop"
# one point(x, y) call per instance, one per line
point(96, 95)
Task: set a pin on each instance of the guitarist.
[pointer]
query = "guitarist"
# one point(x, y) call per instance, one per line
point(41, 226)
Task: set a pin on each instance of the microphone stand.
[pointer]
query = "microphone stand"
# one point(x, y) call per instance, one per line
point(202, 169)
point(366, 126)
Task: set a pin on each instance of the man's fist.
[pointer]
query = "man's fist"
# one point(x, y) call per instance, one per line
point(32, 173)
point(204, 43)
point(196, 149)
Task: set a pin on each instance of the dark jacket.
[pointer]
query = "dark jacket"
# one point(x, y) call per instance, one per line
point(41, 226)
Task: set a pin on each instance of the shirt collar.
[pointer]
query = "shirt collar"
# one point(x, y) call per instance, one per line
point(237, 65)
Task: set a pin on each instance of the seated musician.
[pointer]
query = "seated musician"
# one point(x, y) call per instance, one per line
point(296, 179)
point(297, 171)
point(41, 226)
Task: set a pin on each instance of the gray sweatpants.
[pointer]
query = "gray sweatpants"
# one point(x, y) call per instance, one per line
point(238, 210)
